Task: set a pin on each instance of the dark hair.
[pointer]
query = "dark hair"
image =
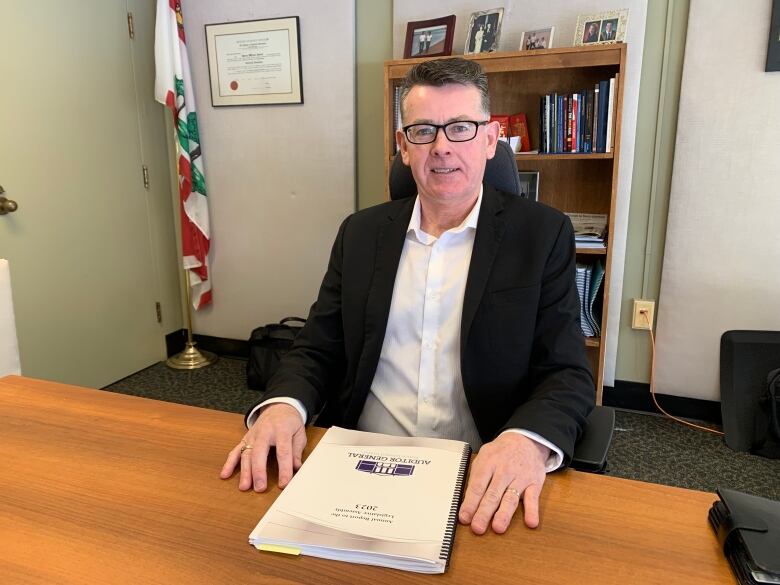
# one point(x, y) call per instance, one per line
point(440, 72)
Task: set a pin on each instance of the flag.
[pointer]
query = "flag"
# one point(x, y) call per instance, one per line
point(173, 88)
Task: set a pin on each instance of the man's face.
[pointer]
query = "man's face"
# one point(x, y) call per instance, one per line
point(447, 172)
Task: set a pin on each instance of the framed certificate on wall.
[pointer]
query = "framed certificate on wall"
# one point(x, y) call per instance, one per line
point(255, 62)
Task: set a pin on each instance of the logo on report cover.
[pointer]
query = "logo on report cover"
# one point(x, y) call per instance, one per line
point(383, 468)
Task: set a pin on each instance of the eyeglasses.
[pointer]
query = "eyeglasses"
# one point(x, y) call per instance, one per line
point(459, 131)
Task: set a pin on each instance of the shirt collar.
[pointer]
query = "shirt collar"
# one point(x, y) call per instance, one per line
point(470, 222)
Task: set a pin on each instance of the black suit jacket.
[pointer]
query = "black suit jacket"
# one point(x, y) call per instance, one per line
point(523, 358)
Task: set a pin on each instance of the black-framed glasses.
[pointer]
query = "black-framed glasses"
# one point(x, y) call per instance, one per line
point(458, 131)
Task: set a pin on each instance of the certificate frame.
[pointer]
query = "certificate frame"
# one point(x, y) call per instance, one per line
point(255, 62)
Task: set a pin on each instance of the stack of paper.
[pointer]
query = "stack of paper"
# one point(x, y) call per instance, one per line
point(371, 499)
point(589, 278)
point(590, 229)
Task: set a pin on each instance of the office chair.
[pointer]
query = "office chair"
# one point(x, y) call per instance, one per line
point(590, 452)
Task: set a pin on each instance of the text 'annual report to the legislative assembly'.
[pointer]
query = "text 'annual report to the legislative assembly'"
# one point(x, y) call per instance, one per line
point(371, 499)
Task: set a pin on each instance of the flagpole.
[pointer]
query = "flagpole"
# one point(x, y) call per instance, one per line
point(191, 358)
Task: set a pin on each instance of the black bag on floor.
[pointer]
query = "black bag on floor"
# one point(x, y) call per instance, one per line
point(767, 426)
point(267, 345)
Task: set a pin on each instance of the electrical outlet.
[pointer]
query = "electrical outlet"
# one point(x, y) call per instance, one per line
point(643, 308)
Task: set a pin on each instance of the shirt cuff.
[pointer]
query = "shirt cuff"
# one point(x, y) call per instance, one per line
point(296, 404)
point(555, 460)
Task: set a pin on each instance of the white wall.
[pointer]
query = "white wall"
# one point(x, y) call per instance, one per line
point(280, 178)
point(722, 259)
point(522, 15)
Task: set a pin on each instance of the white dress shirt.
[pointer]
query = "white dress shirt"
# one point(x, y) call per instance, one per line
point(417, 389)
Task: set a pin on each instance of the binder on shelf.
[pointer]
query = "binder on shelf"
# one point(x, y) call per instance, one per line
point(589, 279)
point(371, 499)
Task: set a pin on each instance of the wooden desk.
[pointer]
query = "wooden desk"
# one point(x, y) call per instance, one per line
point(97, 487)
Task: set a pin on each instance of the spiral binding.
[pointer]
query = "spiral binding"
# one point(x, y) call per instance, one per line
point(457, 496)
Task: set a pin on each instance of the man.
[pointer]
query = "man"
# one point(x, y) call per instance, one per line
point(489, 39)
point(608, 31)
point(452, 314)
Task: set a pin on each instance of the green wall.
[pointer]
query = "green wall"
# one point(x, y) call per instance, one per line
point(659, 96)
point(374, 46)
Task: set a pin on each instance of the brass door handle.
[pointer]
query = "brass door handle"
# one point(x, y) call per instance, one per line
point(7, 205)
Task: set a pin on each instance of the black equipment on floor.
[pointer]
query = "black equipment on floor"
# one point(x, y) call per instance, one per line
point(750, 391)
point(267, 345)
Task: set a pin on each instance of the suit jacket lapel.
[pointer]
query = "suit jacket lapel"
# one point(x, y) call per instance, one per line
point(490, 231)
point(389, 244)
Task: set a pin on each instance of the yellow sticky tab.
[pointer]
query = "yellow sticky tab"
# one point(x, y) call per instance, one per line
point(285, 550)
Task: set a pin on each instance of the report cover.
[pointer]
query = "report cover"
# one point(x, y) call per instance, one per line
point(372, 499)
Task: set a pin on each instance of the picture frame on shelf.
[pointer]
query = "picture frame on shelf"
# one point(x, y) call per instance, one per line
point(773, 50)
point(541, 38)
point(429, 38)
point(529, 185)
point(603, 28)
point(484, 31)
point(255, 62)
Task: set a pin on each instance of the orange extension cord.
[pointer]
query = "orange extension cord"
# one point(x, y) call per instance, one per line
point(652, 385)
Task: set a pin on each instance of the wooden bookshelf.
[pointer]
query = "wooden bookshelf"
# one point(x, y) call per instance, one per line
point(577, 182)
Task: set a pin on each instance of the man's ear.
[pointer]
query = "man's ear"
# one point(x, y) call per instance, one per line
point(492, 130)
point(403, 147)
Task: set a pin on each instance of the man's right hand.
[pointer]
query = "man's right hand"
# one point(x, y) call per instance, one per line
point(279, 425)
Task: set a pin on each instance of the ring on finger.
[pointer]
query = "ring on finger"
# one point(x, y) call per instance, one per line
point(511, 490)
point(245, 447)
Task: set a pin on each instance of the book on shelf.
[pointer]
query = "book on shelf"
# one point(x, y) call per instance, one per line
point(371, 499)
point(578, 122)
point(518, 126)
point(396, 115)
point(610, 114)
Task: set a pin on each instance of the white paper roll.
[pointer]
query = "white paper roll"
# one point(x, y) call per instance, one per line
point(9, 347)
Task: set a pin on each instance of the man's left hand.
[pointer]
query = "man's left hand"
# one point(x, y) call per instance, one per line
point(505, 470)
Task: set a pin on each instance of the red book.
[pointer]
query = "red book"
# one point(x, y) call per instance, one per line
point(518, 126)
point(504, 123)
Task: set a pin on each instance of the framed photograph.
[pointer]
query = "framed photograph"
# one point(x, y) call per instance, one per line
point(529, 185)
point(484, 31)
point(430, 38)
point(773, 50)
point(255, 62)
point(537, 39)
point(601, 29)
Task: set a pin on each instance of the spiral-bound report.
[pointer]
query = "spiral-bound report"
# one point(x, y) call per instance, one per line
point(371, 499)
